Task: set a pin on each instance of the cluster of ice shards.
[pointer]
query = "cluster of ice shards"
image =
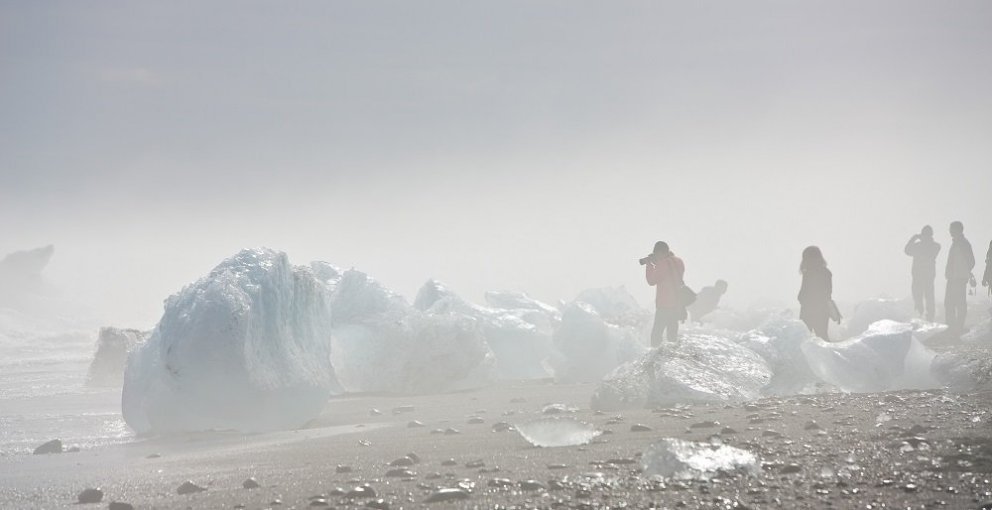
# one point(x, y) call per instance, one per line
point(381, 343)
point(885, 357)
point(520, 338)
point(246, 347)
point(699, 367)
point(779, 342)
point(112, 349)
point(676, 458)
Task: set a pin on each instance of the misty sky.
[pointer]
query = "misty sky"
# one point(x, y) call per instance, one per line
point(541, 146)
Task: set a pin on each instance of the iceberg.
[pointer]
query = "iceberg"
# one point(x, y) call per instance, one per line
point(676, 458)
point(381, 343)
point(885, 357)
point(113, 347)
point(869, 312)
point(557, 431)
point(587, 347)
point(520, 339)
point(701, 367)
point(779, 342)
point(247, 348)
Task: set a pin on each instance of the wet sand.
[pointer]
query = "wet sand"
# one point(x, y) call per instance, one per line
point(904, 449)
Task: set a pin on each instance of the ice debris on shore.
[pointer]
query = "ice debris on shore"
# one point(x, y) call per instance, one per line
point(246, 347)
point(557, 431)
point(587, 346)
point(113, 346)
point(676, 458)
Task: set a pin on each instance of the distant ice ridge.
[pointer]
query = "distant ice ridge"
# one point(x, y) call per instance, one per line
point(381, 343)
point(675, 458)
point(698, 368)
point(557, 431)
point(246, 347)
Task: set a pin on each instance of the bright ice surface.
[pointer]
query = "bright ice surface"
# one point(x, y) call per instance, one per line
point(700, 367)
point(675, 458)
point(112, 349)
point(381, 343)
point(779, 342)
point(246, 347)
point(885, 357)
point(557, 431)
point(588, 347)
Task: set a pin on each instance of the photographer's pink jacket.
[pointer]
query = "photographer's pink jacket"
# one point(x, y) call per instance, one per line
point(666, 275)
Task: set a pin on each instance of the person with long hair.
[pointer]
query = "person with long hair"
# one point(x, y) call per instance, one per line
point(815, 295)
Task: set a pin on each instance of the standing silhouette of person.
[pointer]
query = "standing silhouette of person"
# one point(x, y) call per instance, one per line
point(665, 272)
point(815, 295)
point(707, 299)
point(924, 251)
point(960, 262)
point(987, 278)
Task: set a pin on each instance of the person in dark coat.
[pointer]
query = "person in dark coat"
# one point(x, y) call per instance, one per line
point(924, 251)
point(987, 279)
point(815, 295)
point(960, 262)
point(665, 272)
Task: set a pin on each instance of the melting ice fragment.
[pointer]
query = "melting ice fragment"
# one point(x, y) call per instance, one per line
point(675, 458)
point(551, 432)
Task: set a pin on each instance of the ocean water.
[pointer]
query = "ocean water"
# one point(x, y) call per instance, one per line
point(43, 391)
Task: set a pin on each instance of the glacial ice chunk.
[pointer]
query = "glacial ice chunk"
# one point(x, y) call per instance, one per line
point(700, 367)
point(557, 431)
point(676, 458)
point(885, 357)
point(381, 343)
point(246, 347)
point(779, 342)
point(113, 347)
point(871, 311)
point(588, 347)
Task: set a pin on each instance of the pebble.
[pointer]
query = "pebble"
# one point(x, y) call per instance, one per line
point(250, 483)
point(728, 430)
point(336, 492)
point(362, 491)
point(447, 495)
point(414, 424)
point(379, 504)
point(90, 495)
point(502, 426)
point(500, 483)
point(771, 433)
point(557, 466)
point(188, 487)
point(476, 420)
point(791, 469)
point(531, 485)
point(402, 462)
point(375, 412)
point(53, 446)
point(342, 468)
point(705, 424)
point(400, 473)
point(318, 502)
point(118, 505)
point(638, 427)
point(475, 464)
point(451, 431)
point(154, 456)
point(449, 462)
point(812, 425)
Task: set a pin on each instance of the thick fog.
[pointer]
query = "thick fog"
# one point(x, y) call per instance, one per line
point(533, 146)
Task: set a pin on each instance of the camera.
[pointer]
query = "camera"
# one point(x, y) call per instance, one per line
point(645, 260)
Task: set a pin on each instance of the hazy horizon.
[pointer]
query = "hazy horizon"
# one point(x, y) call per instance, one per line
point(534, 146)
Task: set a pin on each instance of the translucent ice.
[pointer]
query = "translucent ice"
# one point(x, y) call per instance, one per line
point(700, 367)
point(246, 347)
point(675, 458)
point(588, 347)
point(113, 347)
point(551, 432)
point(885, 357)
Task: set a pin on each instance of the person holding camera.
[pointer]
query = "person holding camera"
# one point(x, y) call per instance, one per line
point(924, 251)
point(665, 272)
point(960, 262)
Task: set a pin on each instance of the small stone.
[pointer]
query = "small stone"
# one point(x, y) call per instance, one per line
point(500, 483)
point(318, 502)
point(154, 456)
point(638, 427)
point(791, 469)
point(414, 424)
point(250, 483)
point(378, 504)
point(451, 431)
point(449, 462)
point(531, 485)
point(375, 412)
point(362, 491)
point(557, 466)
point(502, 426)
point(475, 464)
point(449, 494)
point(118, 505)
point(90, 495)
point(812, 425)
point(342, 468)
point(402, 462)
point(188, 487)
point(414, 457)
point(476, 420)
point(771, 434)
point(400, 473)
point(728, 430)
point(555, 485)
point(336, 492)
point(910, 487)
point(705, 424)
point(53, 446)
point(74, 449)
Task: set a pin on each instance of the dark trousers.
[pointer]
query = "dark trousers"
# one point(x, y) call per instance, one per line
point(923, 295)
point(818, 323)
point(665, 319)
point(956, 304)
